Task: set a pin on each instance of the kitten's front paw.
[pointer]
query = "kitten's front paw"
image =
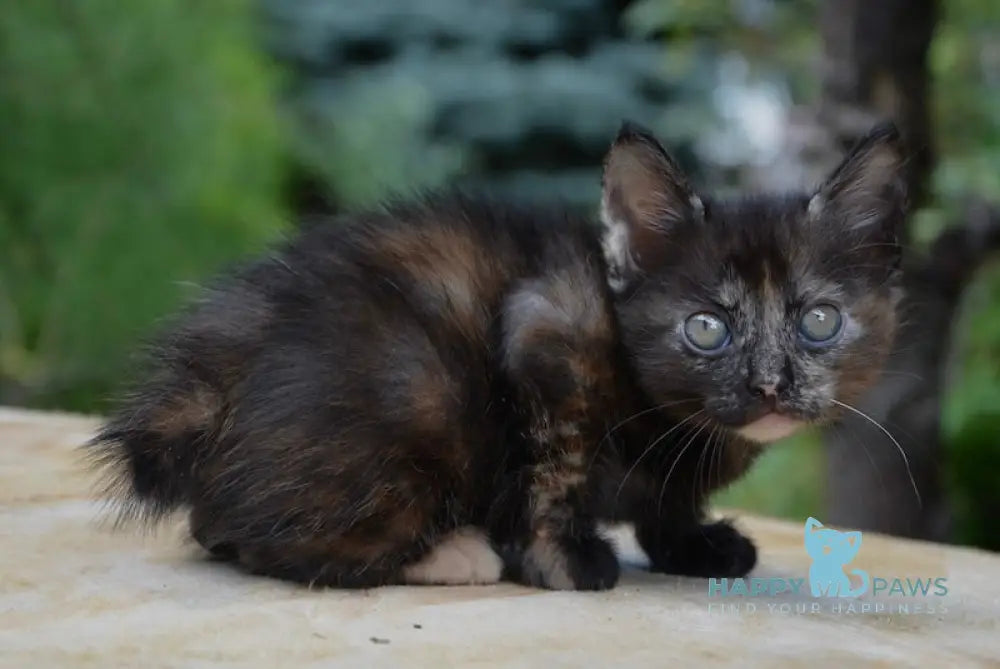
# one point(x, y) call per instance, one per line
point(717, 549)
point(585, 562)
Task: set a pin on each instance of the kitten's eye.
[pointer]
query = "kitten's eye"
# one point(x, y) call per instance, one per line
point(820, 324)
point(706, 333)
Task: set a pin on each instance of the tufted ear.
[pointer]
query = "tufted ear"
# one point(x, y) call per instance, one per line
point(865, 196)
point(645, 196)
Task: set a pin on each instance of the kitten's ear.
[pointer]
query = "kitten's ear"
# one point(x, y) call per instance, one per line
point(812, 524)
point(866, 193)
point(645, 196)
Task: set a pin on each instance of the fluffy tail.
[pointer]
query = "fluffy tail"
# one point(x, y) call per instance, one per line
point(149, 448)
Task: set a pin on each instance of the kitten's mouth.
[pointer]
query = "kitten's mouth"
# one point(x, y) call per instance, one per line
point(770, 427)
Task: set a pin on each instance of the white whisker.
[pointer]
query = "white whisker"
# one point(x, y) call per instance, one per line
point(840, 430)
point(650, 448)
point(704, 467)
point(720, 450)
point(687, 444)
point(906, 461)
point(658, 407)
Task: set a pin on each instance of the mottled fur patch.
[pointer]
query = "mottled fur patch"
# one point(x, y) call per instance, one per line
point(183, 411)
point(447, 268)
point(545, 564)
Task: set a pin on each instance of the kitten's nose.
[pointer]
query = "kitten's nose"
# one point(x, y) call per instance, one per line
point(767, 389)
point(769, 386)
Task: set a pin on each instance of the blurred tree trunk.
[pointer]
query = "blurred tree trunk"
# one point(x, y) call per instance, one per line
point(875, 67)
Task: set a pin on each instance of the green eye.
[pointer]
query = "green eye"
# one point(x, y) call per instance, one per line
point(706, 332)
point(820, 324)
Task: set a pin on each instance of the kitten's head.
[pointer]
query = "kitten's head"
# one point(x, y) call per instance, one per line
point(764, 312)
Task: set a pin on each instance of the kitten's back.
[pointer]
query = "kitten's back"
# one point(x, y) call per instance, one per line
point(345, 381)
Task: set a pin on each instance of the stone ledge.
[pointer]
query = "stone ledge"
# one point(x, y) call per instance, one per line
point(75, 594)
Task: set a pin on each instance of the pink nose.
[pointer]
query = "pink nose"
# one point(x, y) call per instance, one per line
point(768, 389)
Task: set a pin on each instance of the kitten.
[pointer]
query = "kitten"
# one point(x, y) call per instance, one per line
point(449, 390)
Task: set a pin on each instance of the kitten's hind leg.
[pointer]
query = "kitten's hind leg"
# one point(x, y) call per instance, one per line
point(323, 535)
point(558, 352)
point(464, 557)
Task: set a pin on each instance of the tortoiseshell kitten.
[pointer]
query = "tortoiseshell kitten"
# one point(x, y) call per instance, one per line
point(451, 390)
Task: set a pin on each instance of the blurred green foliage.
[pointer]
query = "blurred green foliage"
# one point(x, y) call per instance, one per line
point(972, 466)
point(371, 140)
point(965, 65)
point(510, 97)
point(139, 147)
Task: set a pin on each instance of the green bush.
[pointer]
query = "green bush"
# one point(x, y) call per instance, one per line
point(139, 148)
point(972, 458)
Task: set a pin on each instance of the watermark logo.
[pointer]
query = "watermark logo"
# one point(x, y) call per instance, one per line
point(831, 580)
point(830, 551)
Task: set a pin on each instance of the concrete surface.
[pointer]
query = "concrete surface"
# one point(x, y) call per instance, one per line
point(75, 594)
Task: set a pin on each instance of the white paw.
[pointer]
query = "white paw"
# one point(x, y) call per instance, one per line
point(464, 557)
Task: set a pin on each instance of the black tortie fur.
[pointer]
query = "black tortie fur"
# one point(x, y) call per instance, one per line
point(329, 413)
